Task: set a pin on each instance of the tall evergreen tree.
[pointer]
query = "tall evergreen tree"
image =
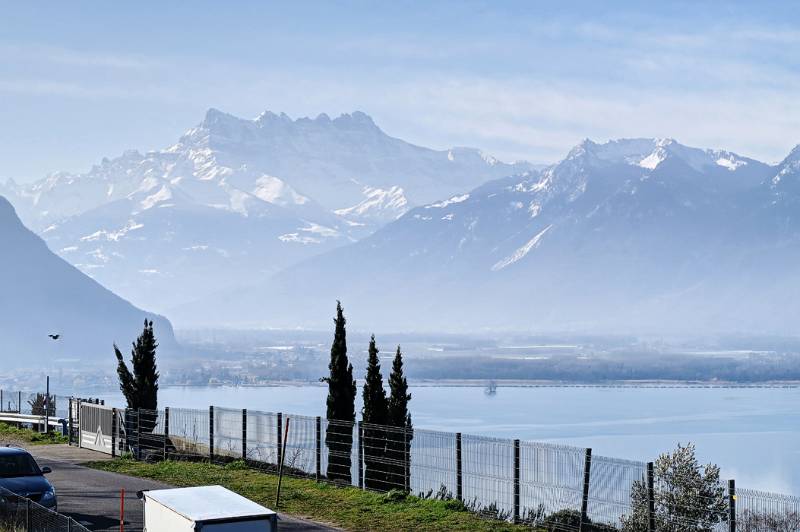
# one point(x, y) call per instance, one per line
point(341, 403)
point(139, 384)
point(399, 416)
point(374, 414)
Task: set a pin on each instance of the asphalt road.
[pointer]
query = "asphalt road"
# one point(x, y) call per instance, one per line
point(92, 497)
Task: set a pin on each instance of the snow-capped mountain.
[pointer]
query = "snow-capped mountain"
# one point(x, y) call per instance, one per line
point(42, 294)
point(235, 200)
point(378, 205)
point(630, 235)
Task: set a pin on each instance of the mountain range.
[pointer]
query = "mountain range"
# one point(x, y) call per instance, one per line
point(235, 201)
point(633, 235)
point(41, 294)
point(266, 222)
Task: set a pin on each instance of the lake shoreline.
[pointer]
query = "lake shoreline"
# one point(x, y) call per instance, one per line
point(523, 383)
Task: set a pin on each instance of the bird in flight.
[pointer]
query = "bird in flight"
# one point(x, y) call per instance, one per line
point(54, 336)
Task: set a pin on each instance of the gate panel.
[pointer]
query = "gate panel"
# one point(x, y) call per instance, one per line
point(96, 427)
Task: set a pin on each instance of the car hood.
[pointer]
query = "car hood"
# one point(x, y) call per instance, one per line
point(25, 485)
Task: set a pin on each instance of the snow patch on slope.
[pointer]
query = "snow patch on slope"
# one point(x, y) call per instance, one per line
point(451, 201)
point(151, 201)
point(275, 190)
point(311, 234)
point(112, 236)
point(652, 161)
point(730, 162)
point(378, 203)
point(522, 251)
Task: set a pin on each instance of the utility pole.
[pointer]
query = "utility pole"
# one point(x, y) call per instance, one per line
point(47, 407)
point(55, 338)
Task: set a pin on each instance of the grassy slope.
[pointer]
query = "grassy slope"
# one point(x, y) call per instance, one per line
point(11, 434)
point(348, 508)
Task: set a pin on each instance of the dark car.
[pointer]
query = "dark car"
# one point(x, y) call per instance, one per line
point(20, 474)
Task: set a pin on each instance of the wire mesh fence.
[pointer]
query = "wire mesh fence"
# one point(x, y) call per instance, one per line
point(552, 479)
point(260, 437)
point(549, 486)
point(611, 482)
point(552, 486)
point(22, 514)
point(758, 511)
point(33, 403)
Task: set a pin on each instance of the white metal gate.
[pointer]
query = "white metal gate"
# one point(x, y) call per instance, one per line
point(96, 428)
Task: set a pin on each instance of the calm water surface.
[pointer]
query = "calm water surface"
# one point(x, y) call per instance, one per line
point(752, 433)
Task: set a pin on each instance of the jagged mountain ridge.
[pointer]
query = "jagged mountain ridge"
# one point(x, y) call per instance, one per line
point(42, 294)
point(336, 163)
point(235, 200)
point(631, 235)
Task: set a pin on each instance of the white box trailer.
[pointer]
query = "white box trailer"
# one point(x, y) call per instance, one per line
point(206, 508)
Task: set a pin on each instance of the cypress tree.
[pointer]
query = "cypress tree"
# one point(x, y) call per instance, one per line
point(139, 384)
point(374, 414)
point(400, 417)
point(341, 404)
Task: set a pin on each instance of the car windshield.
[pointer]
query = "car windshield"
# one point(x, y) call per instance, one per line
point(18, 465)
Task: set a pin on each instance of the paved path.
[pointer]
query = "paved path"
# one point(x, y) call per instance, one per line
point(92, 497)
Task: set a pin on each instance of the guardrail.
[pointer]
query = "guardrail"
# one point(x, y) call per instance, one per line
point(28, 419)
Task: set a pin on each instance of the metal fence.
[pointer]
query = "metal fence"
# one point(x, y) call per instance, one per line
point(33, 403)
point(555, 487)
point(758, 511)
point(21, 514)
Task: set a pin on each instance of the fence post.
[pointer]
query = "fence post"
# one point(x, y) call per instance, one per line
point(166, 430)
point(587, 471)
point(47, 407)
point(138, 433)
point(80, 434)
point(280, 436)
point(732, 505)
point(69, 418)
point(113, 433)
point(28, 516)
point(360, 456)
point(19, 402)
point(651, 500)
point(244, 434)
point(319, 447)
point(459, 470)
point(406, 461)
point(211, 433)
point(516, 481)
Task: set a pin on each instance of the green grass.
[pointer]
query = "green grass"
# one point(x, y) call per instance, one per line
point(9, 431)
point(347, 507)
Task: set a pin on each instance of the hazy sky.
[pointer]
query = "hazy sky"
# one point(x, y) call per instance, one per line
point(83, 80)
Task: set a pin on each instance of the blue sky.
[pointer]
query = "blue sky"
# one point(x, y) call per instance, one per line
point(84, 80)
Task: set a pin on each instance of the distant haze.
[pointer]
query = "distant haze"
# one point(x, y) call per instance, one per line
point(236, 200)
point(267, 222)
point(40, 294)
point(636, 235)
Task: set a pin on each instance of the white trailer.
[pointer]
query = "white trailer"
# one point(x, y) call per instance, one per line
point(206, 508)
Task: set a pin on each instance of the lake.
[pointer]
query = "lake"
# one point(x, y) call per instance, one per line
point(752, 433)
